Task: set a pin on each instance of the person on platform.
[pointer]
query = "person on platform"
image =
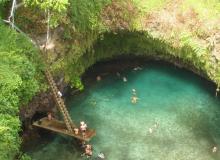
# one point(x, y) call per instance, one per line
point(76, 131)
point(83, 128)
point(49, 116)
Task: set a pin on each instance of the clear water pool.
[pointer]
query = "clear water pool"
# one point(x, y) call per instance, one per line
point(177, 117)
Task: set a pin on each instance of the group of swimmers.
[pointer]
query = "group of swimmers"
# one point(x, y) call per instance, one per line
point(98, 78)
point(82, 129)
point(83, 126)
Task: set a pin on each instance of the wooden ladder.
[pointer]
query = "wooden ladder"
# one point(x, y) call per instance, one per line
point(59, 101)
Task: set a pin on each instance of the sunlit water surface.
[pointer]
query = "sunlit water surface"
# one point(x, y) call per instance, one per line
point(182, 105)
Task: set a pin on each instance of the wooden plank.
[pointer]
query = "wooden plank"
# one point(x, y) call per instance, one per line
point(60, 127)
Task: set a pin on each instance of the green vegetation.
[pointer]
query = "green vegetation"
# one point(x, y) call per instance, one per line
point(207, 9)
point(19, 68)
point(85, 15)
point(178, 31)
point(56, 8)
point(2, 7)
point(55, 5)
point(161, 28)
point(151, 5)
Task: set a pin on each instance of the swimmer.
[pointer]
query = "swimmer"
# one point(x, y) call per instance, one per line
point(156, 125)
point(125, 79)
point(150, 130)
point(98, 78)
point(214, 149)
point(134, 90)
point(134, 99)
point(88, 146)
point(137, 68)
point(216, 92)
point(88, 150)
point(101, 155)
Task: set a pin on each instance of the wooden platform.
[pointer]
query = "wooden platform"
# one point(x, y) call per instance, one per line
point(60, 127)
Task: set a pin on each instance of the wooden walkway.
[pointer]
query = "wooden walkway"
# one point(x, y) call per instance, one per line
point(67, 126)
point(59, 127)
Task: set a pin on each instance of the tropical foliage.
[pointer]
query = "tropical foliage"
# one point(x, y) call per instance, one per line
point(2, 7)
point(56, 8)
point(54, 5)
point(19, 68)
point(176, 31)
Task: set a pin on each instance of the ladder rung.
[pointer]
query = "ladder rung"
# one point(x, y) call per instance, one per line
point(59, 101)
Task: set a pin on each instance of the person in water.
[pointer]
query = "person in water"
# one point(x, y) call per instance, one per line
point(89, 146)
point(134, 91)
point(151, 130)
point(134, 99)
point(214, 149)
point(101, 155)
point(98, 78)
point(88, 150)
point(137, 68)
point(125, 79)
point(216, 92)
point(156, 125)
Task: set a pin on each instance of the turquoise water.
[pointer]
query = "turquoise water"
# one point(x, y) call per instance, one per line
point(178, 107)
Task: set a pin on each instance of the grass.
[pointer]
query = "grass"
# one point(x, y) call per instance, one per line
point(206, 9)
point(150, 5)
